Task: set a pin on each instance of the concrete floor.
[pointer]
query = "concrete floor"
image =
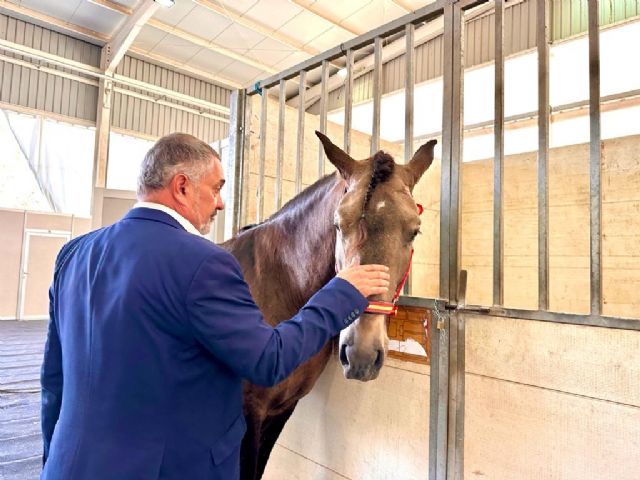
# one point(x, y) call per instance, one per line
point(21, 347)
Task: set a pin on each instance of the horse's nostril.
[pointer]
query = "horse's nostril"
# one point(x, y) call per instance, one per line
point(343, 355)
point(379, 359)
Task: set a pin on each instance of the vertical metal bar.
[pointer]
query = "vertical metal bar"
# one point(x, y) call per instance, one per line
point(409, 76)
point(236, 134)
point(280, 150)
point(456, 371)
point(377, 94)
point(324, 81)
point(498, 157)
point(300, 145)
point(263, 154)
point(458, 401)
point(457, 93)
point(348, 101)
point(543, 154)
point(594, 159)
point(445, 176)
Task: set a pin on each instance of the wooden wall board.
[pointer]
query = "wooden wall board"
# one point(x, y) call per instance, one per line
point(11, 246)
point(599, 363)
point(524, 432)
point(49, 221)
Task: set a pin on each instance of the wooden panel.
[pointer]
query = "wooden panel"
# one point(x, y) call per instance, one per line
point(80, 226)
point(113, 209)
point(515, 431)
point(590, 361)
point(41, 257)
point(407, 325)
point(49, 221)
point(11, 248)
point(329, 425)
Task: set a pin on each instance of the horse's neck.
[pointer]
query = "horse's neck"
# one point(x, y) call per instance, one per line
point(292, 255)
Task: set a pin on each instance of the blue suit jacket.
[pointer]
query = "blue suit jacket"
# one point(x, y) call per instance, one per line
point(151, 331)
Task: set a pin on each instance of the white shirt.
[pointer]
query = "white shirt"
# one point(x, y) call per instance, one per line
point(186, 224)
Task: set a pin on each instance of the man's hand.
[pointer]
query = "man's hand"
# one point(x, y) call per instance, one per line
point(368, 279)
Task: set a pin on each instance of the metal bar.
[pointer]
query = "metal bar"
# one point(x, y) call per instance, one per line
point(424, 14)
point(595, 193)
point(324, 80)
point(445, 176)
point(459, 400)
point(456, 337)
point(377, 94)
point(280, 145)
point(498, 158)
point(300, 144)
point(263, 154)
point(236, 133)
point(409, 77)
point(457, 93)
point(543, 154)
point(348, 101)
point(557, 317)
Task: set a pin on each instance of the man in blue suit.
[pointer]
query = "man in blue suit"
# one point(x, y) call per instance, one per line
point(152, 329)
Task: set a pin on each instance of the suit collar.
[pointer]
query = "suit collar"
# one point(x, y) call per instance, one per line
point(154, 215)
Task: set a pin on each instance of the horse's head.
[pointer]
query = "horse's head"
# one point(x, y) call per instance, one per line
point(376, 222)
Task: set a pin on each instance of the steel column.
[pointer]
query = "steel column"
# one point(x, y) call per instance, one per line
point(595, 165)
point(300, 138)
point(280, 150)
point(498, 158)
point(543, 154)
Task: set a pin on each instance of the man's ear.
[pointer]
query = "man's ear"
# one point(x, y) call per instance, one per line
point(179, 186)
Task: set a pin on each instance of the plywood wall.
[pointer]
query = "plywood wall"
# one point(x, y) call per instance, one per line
point(568, 229)
point(345, 429)
point(550, 401)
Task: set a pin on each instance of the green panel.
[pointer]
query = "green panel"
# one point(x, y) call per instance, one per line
point(569, 17)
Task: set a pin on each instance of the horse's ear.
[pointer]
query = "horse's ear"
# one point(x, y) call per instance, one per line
point(343, 162)
point(422, 159)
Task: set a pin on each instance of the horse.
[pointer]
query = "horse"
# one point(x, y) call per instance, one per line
point(362, 213)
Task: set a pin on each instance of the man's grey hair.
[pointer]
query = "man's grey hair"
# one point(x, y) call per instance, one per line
point(172, 154)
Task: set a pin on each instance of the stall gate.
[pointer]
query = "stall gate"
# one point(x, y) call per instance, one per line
point(464, 391)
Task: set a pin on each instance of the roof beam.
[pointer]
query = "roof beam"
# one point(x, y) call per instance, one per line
point(120, 42)
point(225, 82)
point(255, 26)
point(399, 3)
point(76, 30)
point(389, 52)
point(203, 42)
point(329, 18)
point(113, 6)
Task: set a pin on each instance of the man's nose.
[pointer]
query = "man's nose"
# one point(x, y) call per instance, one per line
point(220, 205)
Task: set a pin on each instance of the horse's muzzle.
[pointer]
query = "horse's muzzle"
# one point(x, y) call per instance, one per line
point(361, 364)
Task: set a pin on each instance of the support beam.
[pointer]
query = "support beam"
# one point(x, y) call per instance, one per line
point(325, 16)
point(181, 67)
point(101, 148)
point(255, 26)
point(389, 52)
point(75, 30)
point(95, 72)
point(203, 42)
point(118, 45)
point(113, 6)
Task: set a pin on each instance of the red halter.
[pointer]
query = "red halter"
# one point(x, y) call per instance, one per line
point(390, 308)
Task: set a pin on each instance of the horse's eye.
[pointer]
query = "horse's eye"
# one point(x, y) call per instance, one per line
point(415, 233)
point(337, 226)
